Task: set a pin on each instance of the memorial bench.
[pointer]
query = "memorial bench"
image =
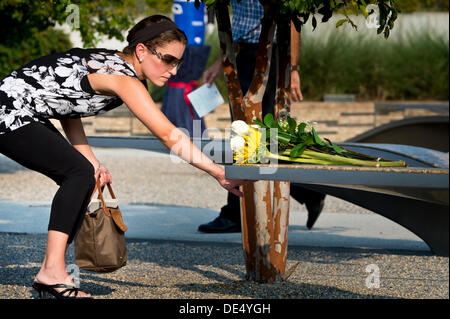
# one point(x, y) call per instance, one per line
point(415, 197)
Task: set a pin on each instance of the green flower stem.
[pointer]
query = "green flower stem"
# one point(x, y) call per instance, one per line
point(298, 159)
point(309, 156)
point(352, 161)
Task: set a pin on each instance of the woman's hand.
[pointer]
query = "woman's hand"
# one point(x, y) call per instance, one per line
point(105, 176)
point(231, 184)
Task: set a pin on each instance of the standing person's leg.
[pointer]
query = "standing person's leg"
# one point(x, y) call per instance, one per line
point(314, 201)
point(43, 149)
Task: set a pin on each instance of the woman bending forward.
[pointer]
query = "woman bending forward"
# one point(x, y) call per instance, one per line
point(79, 83)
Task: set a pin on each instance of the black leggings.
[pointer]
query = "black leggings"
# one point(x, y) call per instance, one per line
point(43, 149)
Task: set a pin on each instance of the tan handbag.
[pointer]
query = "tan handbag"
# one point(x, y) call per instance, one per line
point(100, 244)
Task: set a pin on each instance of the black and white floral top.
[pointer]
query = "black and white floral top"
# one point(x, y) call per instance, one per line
point(56, 87)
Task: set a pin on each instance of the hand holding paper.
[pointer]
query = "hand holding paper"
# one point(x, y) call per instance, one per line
point(205, 99)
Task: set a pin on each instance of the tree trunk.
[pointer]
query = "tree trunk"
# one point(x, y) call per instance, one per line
point(282, 189)
point(229, 62)
point(264, 237)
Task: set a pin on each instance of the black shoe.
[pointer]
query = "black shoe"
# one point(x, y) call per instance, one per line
point(220, 225)
point(314, 209)
point(70, 292)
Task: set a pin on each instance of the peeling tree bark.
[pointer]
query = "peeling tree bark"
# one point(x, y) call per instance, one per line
point(264, 224)
point(229, 61)
point(281, 195)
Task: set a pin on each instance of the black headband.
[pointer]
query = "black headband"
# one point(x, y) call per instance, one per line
point(152, 31)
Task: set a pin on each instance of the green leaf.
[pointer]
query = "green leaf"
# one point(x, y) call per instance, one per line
point(292, 125)
point(258, 121)
point(281, 138)
point(298, 150)
point(314, 23)
point(209, 2)
point(336, 148)
point(269, 121)
point(301, 128)
point(340, 22)
point(307, 139)
point(380, 29)
point(317, 138)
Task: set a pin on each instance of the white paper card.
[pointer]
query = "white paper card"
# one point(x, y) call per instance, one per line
point(205, 99)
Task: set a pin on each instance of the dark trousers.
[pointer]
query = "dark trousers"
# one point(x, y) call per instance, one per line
point(245, 62)
point(43, 149)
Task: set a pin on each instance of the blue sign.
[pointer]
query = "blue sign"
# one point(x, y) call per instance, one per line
point(190, 20)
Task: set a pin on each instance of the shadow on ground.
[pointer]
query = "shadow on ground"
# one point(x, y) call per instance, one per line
point(220, 265)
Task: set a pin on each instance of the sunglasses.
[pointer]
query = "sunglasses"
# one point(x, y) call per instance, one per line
point(168, 59)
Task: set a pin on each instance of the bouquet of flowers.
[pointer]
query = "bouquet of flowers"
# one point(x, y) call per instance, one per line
point(293, 142)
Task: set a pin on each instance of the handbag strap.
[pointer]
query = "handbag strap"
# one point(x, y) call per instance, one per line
point(113, 196)
point(100, 195)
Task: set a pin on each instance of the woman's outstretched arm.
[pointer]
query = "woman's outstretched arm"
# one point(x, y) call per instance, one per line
point(136, 97)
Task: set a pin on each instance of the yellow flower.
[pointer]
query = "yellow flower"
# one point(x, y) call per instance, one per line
point(249, 153)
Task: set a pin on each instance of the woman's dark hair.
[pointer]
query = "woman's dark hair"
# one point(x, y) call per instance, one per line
point(160, 40)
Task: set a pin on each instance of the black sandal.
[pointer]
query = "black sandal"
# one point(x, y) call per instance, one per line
point(51, 289)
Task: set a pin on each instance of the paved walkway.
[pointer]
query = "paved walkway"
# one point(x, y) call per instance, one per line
point(149, 221)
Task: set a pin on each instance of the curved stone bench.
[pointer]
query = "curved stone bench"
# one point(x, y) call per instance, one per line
point(415, 197)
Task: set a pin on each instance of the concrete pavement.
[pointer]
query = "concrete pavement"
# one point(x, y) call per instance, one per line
point(152, 221)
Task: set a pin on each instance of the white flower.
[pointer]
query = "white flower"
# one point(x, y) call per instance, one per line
point(95, 64)
point(128, 72)
point(111, 68)
point(65, 60)
point(63, 71)
point(239, 127)
point(72, 75)
point(41, 106)
point(108, 67)
point(90, 106)
point(97, 56)
point(237, 143)
point(309, 126)
point(31, 72)
point(51, 72)
point(70, 93)
point(17, 88)
point(8, 119)
point(17, 105)
point(49, 83)
point(115, 58)
point(60, 106)
point(12, 119)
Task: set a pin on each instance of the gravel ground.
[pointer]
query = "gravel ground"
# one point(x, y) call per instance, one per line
point(169, 269)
